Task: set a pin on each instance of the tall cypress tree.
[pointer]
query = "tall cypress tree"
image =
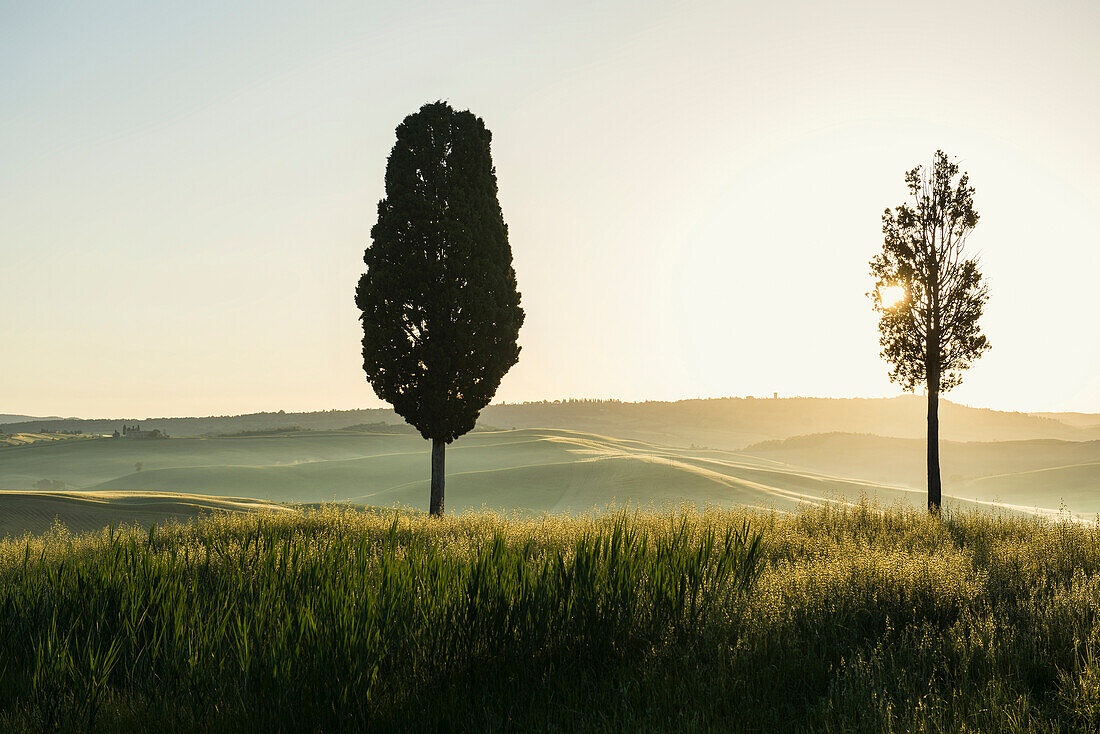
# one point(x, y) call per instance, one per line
point(440, 307)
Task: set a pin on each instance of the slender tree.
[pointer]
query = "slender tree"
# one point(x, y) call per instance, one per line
point(439, 303)
point(929, 293)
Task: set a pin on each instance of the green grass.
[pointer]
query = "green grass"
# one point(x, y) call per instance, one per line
point(829, 619)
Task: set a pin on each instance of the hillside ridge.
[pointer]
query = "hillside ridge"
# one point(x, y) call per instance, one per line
point(730, 423)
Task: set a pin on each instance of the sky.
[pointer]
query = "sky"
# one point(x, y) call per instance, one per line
point(693, 192)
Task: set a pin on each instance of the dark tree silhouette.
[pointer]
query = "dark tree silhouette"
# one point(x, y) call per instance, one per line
point(934, 294)
point(440, 308)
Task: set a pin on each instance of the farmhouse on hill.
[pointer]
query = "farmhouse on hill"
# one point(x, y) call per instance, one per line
point(135, 431)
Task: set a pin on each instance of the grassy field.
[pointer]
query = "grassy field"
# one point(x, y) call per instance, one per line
point(830, 619)
point(535, 470)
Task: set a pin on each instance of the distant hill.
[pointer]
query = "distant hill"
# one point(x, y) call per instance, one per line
point(1039, 471)
point(539, 470)
point(213, 425)
point(9, 418)
point(727, 423)
point(1078, 420)
point(733, 423)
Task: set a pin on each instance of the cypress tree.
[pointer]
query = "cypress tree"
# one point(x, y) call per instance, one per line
point(439, 303)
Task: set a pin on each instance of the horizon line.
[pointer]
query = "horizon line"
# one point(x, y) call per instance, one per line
point(545, 401)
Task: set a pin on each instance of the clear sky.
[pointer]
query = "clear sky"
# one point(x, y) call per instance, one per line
point(693, 191)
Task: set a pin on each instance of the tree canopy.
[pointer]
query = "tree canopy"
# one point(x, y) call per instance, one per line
point(439, 302)
point(932, 330)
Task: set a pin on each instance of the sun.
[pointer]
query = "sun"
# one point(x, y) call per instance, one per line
point(891, 295)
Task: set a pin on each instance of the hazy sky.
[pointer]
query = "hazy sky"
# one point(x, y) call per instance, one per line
point(693, 191)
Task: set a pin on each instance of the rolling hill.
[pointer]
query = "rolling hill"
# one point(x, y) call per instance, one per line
point(9, 418)
point(1089, 421)
point(726, 423)
point(733, 423)
point(530, 470)
point(1047, 472)
point(36, 512)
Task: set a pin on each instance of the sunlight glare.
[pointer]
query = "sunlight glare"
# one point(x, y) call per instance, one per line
point(891, 295)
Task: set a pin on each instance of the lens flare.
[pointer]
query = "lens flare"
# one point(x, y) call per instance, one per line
point(891, 295)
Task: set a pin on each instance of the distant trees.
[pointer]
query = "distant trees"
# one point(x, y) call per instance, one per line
point(929, 294)
point(439, 303)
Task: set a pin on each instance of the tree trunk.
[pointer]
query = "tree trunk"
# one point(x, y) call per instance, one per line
point(438, 447)
point(934, 439)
